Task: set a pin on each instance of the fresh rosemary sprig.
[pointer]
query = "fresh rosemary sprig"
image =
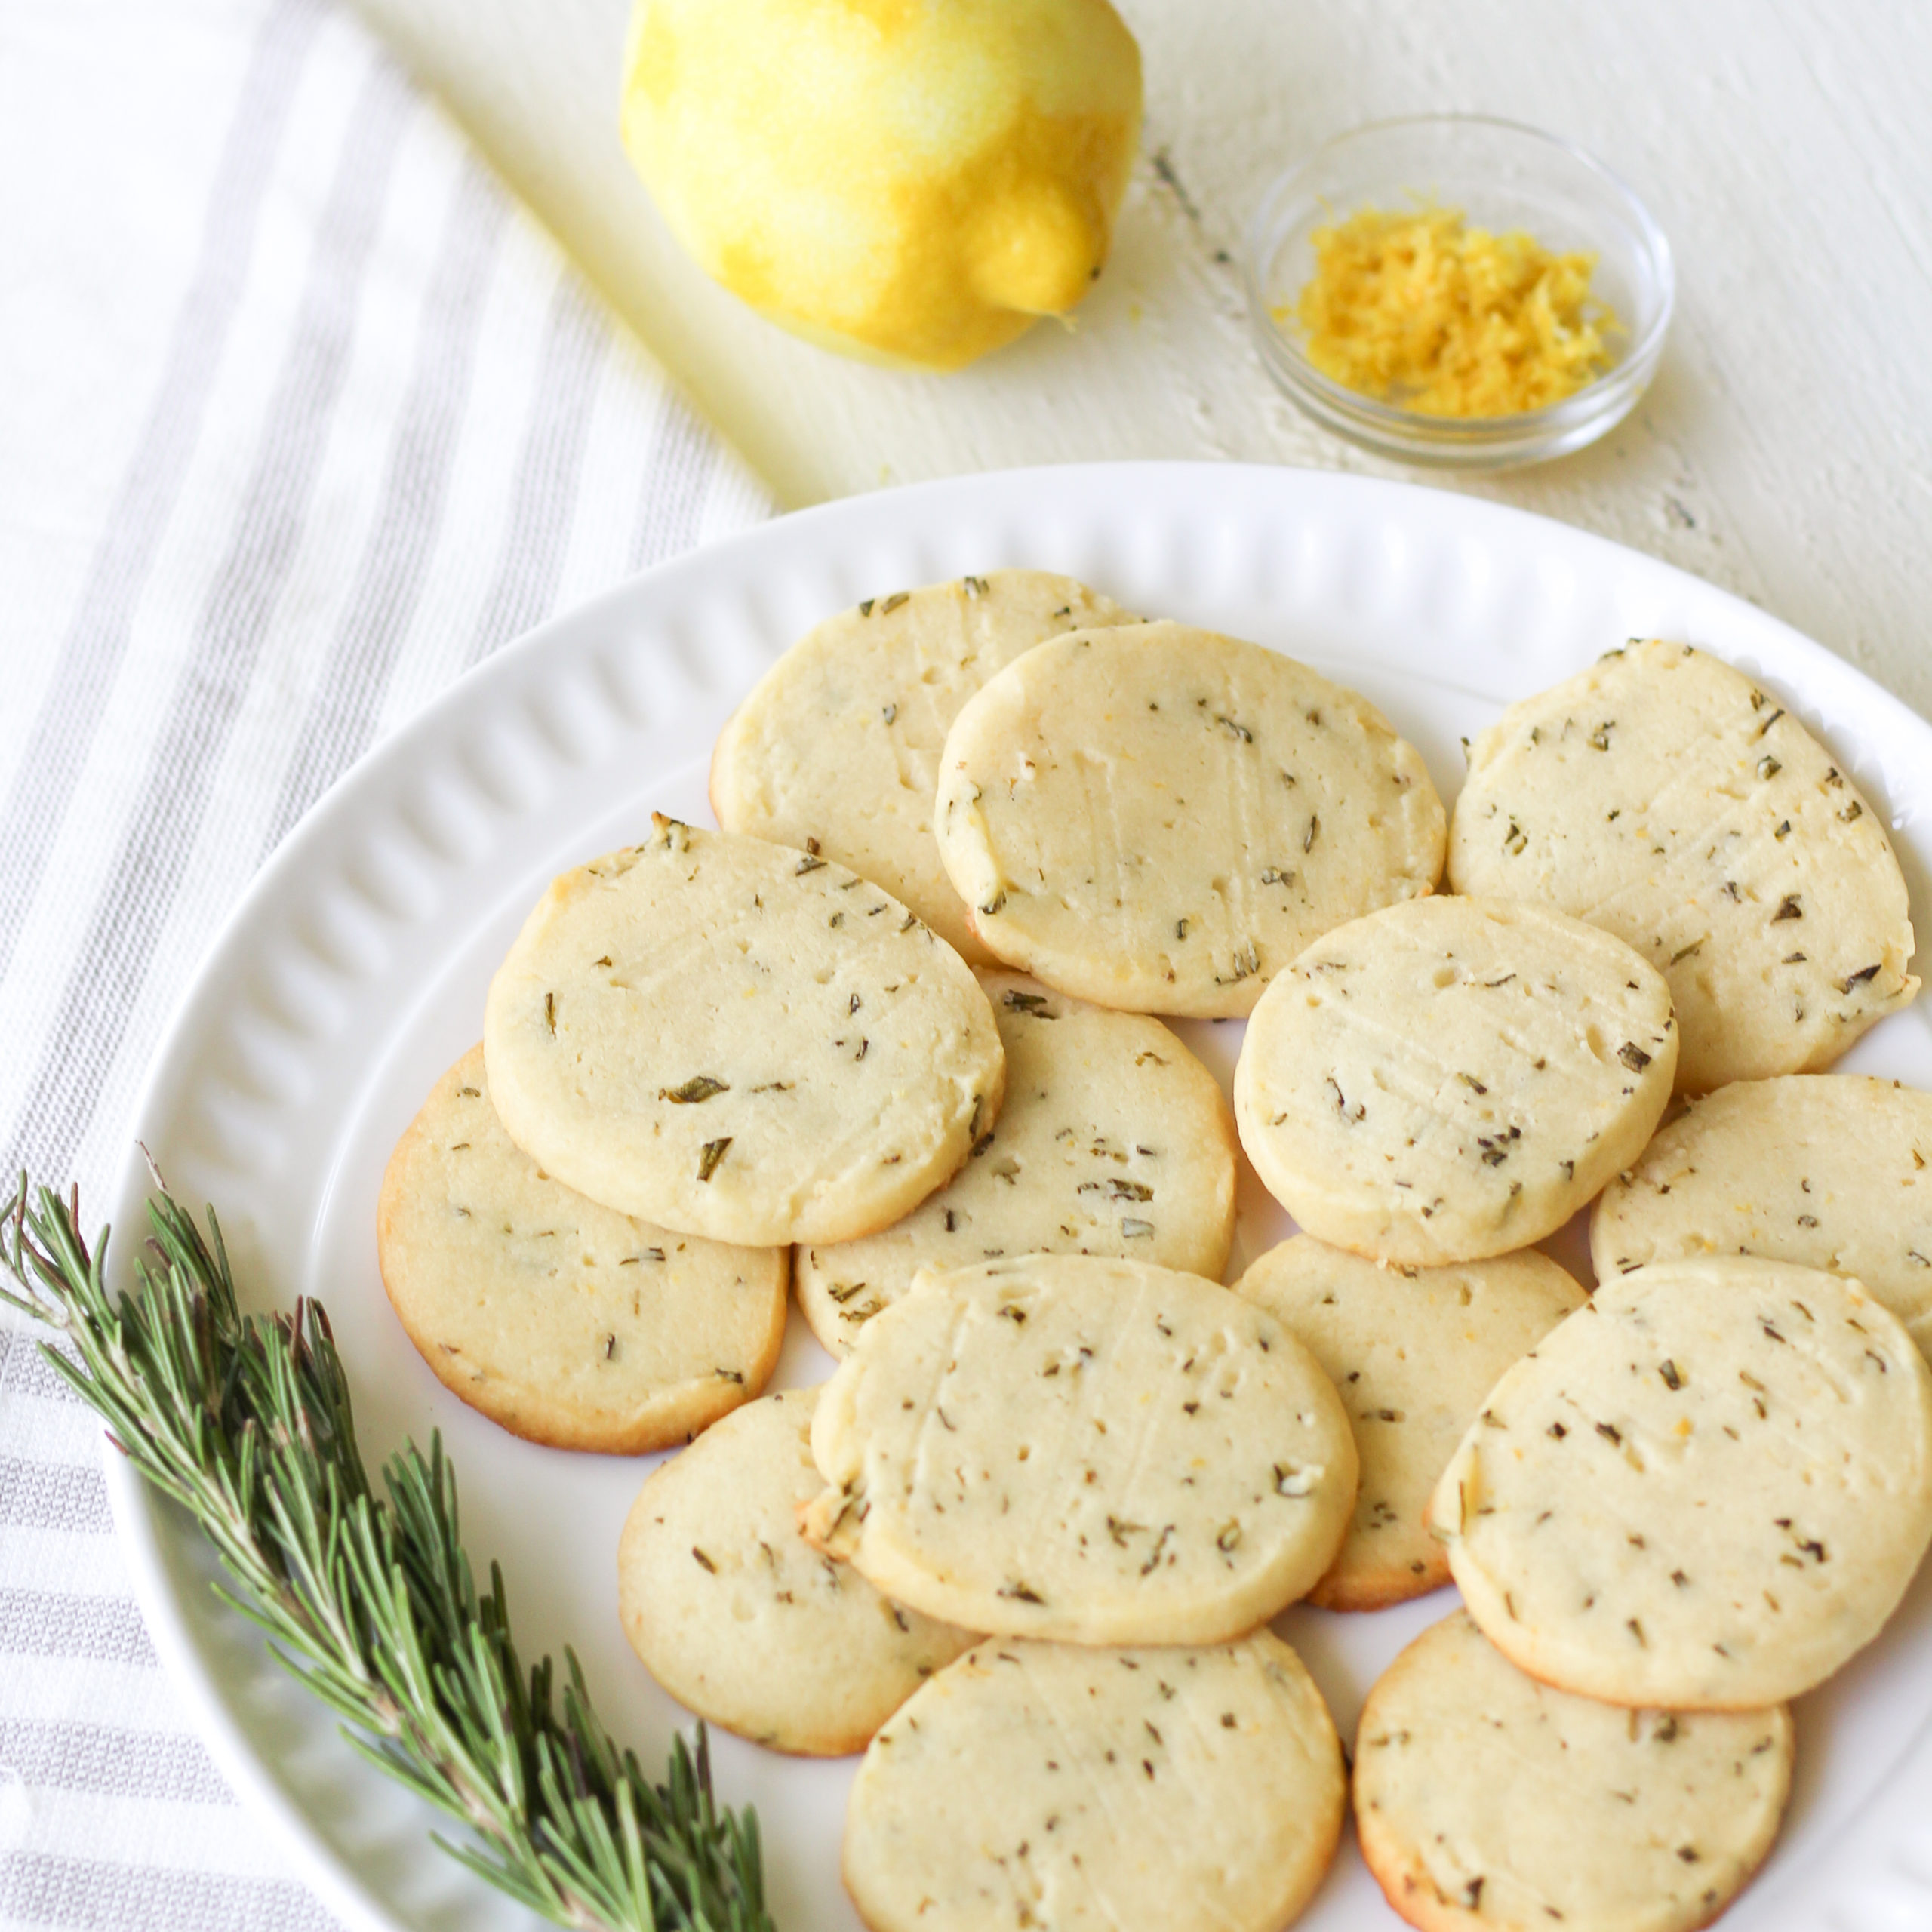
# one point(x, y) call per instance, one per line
point(245, 1421)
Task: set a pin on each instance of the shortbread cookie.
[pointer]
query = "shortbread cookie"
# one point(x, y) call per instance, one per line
point(740, 1619)
point(1098, 1451)
point(1828, 1170)
point(1161, 819)
point(1485, 1800)
point(1705, 1490)
point(1667, 798)
point(567, 1323)
point(1043, 1784)
point(1412, 1352)
point(1114, 1140)
point(836, 748)
point(1452, 1077)
point(739, 1041)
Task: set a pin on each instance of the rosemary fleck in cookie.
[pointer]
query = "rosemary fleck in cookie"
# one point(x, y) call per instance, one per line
point(1487, 1802)
point(1047, 1784)
point(1451, 1078)
point(567, 1323)
point(1670, 800)
point(739, 1041)
point(836, 748)
point(1412, 1352)
point(1159, 819)
point(1097, 1451)
point(1113, 1140)
point(740, 1619)
point(1829, 1170)
point(1705, 1490)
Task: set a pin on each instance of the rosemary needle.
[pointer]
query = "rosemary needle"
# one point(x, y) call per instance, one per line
point(368, 1598)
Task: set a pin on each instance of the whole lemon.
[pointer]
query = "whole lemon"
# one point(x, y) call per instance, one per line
point(910, 180)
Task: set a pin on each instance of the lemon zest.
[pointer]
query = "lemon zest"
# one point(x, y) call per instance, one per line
point(1416, 309)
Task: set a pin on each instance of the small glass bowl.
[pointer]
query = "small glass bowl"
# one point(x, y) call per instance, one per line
point(1502, 176)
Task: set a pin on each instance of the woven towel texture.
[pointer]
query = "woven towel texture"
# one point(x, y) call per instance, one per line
point(302, 415)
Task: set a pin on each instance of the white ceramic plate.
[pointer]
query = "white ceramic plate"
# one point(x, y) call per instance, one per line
point(354, 971)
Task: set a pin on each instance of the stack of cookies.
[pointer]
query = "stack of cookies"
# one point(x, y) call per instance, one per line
point(894, 1037)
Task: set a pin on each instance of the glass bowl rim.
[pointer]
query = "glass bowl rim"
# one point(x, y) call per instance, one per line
point(1400, 425)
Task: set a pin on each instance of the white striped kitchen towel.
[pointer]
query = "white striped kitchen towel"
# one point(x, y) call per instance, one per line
point(300, 414)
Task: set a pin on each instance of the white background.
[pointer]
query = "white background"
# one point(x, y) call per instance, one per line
point(1785, 451)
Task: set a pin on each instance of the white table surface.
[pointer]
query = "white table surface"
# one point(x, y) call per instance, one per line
point(1786, 145)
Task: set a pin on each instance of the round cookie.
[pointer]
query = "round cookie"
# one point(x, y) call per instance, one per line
point(1047, 1784)
point(1485, 1800)
point(1159, 819)
point(1095, 1451)
point(1667, 798)
point(839, 742)
point(1705, 1491)
point(1412, 1352)
point(1113, 1140)
point(1827, 1170)
point(566, 1322)
point(740, 1619)
point(1451, 1078)
point(740, 1042)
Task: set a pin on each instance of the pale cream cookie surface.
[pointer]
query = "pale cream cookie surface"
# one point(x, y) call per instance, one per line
point(1487, 1802)
point(739, 1041)
point(1095, 1451)
point(1113, 1138)
point(1159, 818)
point(567, 1323)
point(1828, 1170)
point(1707, 1490)
point(1047, 1785)
point(1412, 1352)
point(836, 751)
point(740, 1619)
point(1670, 799)
point(1451, 1078)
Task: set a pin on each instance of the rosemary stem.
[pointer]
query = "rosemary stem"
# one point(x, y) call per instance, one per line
point(368, 1598)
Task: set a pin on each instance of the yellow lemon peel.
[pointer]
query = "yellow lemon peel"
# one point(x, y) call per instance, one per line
point(908, 181)
point(1416, 309)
